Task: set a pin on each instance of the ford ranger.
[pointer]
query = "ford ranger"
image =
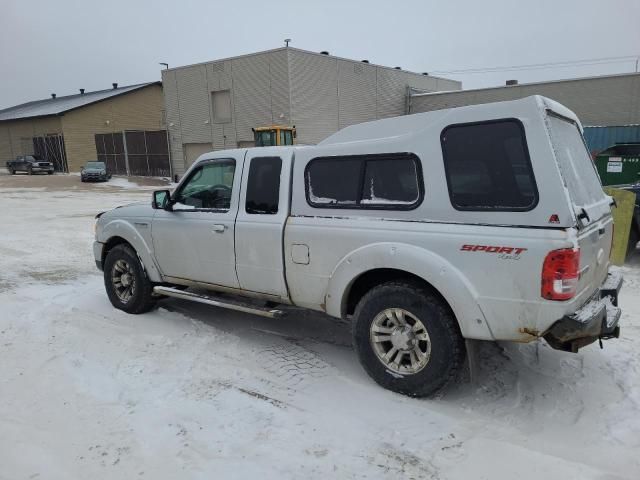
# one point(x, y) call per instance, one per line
point(482, 222)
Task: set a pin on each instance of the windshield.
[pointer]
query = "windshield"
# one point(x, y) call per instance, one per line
point(96, 165)
point(577, 168)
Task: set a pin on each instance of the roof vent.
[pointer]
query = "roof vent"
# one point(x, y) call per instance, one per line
point(397, 68)
point(115, 85)
point(425, 74)
point(82, 91)
point(324, 52)
point(53, 95)
point(510, 83)
point(365, 61)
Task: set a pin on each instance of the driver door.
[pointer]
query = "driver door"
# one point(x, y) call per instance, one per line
point(195, 241)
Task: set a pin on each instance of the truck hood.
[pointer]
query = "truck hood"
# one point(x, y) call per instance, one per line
point(140, 209)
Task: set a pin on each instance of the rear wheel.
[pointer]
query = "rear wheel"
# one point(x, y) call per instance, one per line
point(29, 171)
point(407, 339)
point(126, 283)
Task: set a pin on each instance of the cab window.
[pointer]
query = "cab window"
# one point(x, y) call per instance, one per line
point(209, 187)
point(263, 186)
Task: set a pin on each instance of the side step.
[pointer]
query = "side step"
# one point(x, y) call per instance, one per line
point(208, 300)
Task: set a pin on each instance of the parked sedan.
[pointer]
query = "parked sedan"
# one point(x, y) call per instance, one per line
point(94, 172)
point(29, 164)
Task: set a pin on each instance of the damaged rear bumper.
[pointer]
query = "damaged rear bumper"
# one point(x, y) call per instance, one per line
point(595, 320)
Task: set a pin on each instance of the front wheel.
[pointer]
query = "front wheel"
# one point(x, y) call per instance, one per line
point(407, 339)
point(29, 171)
point(126, 283)
point(49, 173)
point(12, 172)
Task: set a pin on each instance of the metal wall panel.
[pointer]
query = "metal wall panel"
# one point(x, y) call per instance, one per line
point(280, 100)
point(194, 104)
point(601, 138)
point(599, 101)
point(314, 95)
point(356, 93)
point(220, 77)
point(392, 90)
point(252, 94)
point(172, 113)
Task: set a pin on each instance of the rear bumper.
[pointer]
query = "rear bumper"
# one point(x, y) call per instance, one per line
point(596, 319)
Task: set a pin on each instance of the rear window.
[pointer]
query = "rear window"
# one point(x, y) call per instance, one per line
point(487, 166)
point(577, 168)
point(386, 181)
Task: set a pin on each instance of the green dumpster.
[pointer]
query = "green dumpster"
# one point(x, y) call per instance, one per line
point(620, 164)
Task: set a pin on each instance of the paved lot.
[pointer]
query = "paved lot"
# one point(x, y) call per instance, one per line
point(189, 391)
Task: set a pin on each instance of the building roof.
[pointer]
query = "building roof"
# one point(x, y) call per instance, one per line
point(60, 105)
point(307, 52)
point(517, 85)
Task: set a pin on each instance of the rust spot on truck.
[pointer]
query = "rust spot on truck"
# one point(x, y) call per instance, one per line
point(529, 332)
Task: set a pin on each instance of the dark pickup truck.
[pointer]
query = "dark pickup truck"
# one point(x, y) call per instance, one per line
point(29, 164)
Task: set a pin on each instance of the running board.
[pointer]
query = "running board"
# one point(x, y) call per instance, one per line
point(200, 298)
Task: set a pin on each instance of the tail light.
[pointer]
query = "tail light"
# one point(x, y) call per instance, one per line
point(560, 272)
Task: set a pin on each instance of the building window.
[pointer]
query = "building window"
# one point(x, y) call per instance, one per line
point(263, 186)
point(381, 181)
point(487, 166)
point(221, 106)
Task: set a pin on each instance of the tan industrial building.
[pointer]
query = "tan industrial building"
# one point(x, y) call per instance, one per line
point(215, 105)
point(122, 125)
point(610, 100)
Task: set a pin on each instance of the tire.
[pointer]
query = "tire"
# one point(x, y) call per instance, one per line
point(634, 238)
point(12, 172)
point(122, 259)
point(442, 348)
point(49, 173)
point(29, 171)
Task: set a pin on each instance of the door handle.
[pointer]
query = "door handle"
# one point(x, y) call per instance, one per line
point(219, 228)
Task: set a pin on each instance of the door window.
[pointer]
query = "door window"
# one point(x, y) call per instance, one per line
point(263, 186)
point(209, 187)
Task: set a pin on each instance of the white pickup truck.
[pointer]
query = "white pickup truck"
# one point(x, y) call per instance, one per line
point(482, 222)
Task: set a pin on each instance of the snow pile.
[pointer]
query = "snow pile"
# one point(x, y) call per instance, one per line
point(190, 391)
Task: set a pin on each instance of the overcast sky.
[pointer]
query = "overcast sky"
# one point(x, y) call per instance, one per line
point(62, 45)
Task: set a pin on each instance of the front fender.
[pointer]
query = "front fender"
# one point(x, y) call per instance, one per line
point(124, 229)
point(434, 269)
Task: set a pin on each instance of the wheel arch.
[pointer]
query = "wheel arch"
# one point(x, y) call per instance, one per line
point(120, 232)
point(369, 266)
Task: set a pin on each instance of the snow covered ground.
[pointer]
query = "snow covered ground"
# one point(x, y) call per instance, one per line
point(189, 391)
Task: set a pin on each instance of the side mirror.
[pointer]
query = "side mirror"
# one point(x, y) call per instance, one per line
point(161, 200)
point(81, 168)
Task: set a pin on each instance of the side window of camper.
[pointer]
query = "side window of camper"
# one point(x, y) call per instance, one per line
point(488, 167)
point(379, 181)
